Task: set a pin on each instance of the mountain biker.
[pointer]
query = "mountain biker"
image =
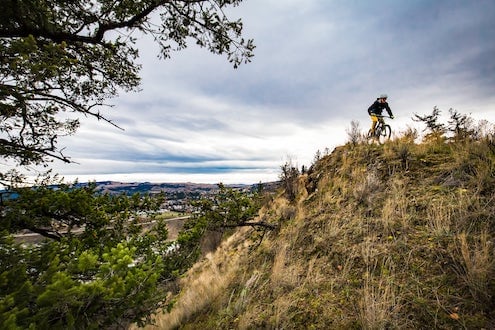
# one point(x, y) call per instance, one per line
point(376, 110)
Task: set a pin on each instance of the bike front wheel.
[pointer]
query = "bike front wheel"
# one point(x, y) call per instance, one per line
point(385, 134)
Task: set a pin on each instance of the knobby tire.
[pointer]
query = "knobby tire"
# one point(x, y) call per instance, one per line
point(385, 134)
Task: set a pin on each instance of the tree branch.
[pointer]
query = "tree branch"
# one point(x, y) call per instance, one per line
point(26, 149)
point(46, 233)
point(250, 224)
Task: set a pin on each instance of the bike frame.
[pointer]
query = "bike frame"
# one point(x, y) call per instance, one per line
point(381, 121)
point(382, 130)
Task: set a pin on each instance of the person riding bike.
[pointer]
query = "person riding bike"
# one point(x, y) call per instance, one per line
point(376, 110)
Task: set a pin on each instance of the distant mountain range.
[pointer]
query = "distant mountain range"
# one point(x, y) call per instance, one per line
point(149, 187)
point(168, 188)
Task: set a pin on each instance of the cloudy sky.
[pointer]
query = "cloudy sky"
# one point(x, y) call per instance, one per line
point(318, 65)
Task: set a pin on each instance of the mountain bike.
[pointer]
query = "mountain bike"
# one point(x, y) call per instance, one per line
point(382, 131)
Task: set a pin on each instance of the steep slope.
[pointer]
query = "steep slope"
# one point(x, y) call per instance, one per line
point(393, 236)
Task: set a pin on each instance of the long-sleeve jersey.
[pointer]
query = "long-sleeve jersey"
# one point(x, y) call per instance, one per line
point(377, 108)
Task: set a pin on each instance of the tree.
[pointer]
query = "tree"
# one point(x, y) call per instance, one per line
point(97, 266)
point(435, 128)
point(231, 208)
point(354, 133)
point(289, 177)
point(460, 125)
point(60, 60)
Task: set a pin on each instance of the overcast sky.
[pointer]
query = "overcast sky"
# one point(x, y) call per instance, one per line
point(318, 65)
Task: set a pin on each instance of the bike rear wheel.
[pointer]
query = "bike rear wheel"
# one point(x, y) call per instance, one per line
point(371, 136)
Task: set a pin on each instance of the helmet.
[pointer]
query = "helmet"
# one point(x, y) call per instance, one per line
point(383, 96)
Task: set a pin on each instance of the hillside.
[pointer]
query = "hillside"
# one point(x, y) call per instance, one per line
point(396, 236)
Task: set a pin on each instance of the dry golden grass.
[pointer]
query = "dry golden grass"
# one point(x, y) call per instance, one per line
point(439, 216)
point(380, 303)
point(204, 282)
point(331, 192)
point(283, 275)
point(477, 265)
point(395, 208)
point(366, 183)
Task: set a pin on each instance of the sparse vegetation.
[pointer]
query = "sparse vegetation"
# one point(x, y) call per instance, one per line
point(354, 133)
point(289, 177)
point(393, 236)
